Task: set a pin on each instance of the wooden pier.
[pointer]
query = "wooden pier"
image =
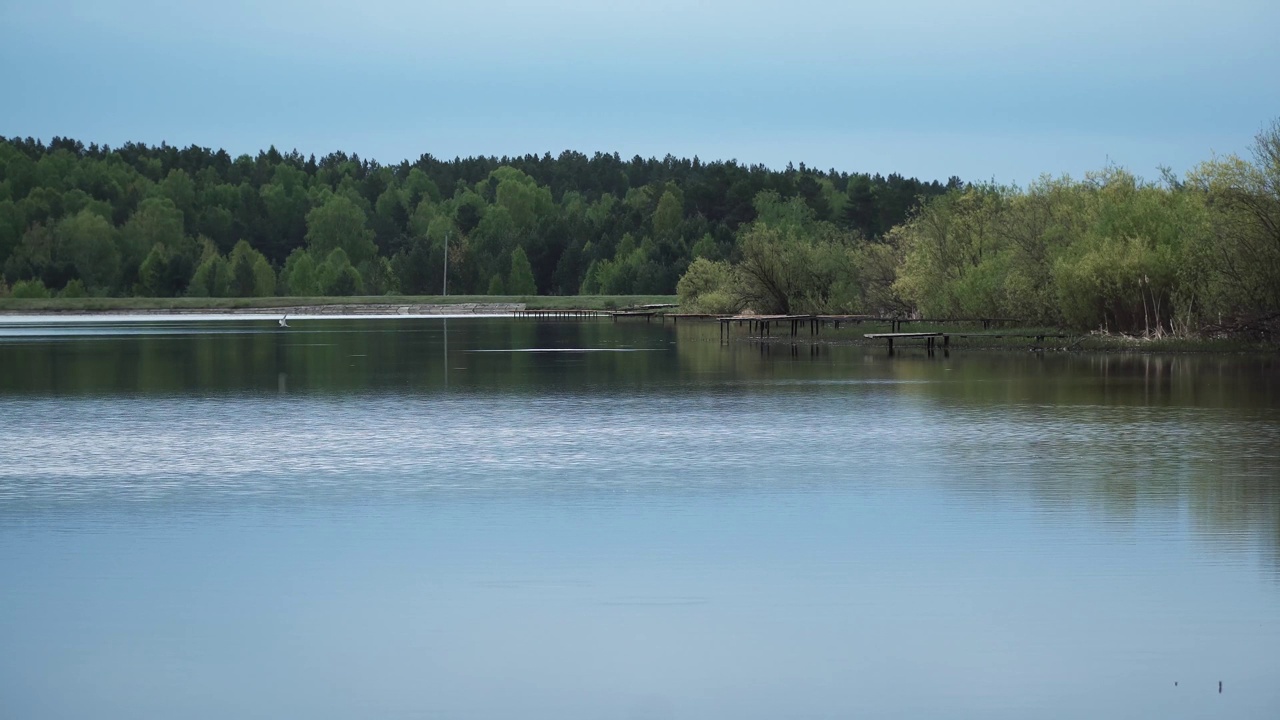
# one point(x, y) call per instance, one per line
point(932, 337)
point(677, 317)
point(646, 314)
point(558, 313)
point(644, 311)
point(763, 324)
point(987, 323)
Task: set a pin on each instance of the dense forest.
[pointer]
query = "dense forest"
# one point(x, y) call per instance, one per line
point(165, 221)
point(1182, 255)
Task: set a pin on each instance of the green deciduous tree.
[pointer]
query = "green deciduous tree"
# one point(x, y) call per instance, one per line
point(668, 216)
point(29, 289)
point(378, 277)
point(793, 263)
point(336, 276)
point(34, 257)
point(340, 224)
point(87, 243)
point(180, 189)
point(251, 274)
point(157, 220)
point(520, 281)
point(298, 277)
point(709, 287)
point(74, 289)
point(524, 200)
point(212, 277)
point(1242, 254)
point(945, 246)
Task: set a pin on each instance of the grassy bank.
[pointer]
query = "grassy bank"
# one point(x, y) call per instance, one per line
point(1169, 344)
point(973, 337)
point(125, 304)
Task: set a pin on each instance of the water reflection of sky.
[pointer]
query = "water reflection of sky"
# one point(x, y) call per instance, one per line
point(752, 538)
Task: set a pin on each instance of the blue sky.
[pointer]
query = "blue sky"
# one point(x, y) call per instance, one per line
point(986, 89)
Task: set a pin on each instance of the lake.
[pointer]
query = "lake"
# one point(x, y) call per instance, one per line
point(497, 518)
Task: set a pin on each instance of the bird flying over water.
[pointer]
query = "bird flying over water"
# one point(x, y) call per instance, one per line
point(282, 321)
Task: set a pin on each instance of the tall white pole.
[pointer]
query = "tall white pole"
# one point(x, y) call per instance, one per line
point(445, 284)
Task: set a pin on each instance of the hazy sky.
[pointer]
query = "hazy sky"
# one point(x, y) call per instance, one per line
point(1002, 89)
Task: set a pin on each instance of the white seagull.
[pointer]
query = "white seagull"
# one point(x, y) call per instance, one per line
point(282, 321)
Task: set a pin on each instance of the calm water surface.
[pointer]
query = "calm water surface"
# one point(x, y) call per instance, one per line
point(489, 518)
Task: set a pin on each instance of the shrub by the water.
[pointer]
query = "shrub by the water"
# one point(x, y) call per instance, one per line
point(29, 289)
point(707, 287)
point(1110, 252)
point(74, 289)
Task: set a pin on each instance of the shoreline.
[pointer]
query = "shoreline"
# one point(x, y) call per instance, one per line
point(1081, 343)
point(296, 310)
point(32, 312)
point(365, 305)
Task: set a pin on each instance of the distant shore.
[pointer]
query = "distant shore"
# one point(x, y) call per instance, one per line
point(482, 305)
point(332, 310)
point(336, 306)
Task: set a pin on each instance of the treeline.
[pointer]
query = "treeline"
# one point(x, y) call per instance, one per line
point(1110, 252)
point(165, 221)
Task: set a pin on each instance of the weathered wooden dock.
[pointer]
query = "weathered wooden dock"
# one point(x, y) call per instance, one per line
point(931, 338)
point(677, 317)
point(558, 313)
point(646, 314)
point(763, 324)
point(987, 323)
